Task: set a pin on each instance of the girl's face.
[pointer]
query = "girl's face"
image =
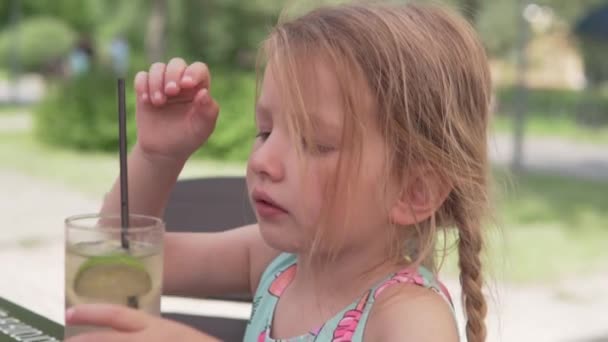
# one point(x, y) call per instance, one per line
point(288, 198)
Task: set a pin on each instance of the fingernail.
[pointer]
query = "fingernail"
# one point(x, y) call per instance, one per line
point(158, 96)
point(187, 79)
point(69, 314)
point(171, 85)
point(144, 97)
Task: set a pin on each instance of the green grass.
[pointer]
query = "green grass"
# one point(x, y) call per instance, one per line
point(546, 227)
point(90, 173)
point(9, 109)
point(552, 225)
point(559, 126)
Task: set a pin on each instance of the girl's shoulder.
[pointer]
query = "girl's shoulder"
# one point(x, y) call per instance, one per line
point(410, 313)
point(405, 309)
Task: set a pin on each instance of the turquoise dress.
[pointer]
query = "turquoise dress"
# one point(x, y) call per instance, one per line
point(346, 326)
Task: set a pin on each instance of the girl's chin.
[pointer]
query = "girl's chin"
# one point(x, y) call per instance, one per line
point(281, 237)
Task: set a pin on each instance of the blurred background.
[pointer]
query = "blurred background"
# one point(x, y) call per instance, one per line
point(547, 259)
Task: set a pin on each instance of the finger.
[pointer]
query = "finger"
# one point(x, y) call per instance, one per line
point(173, 75)
point(107, 315)
point(156, 83)
point(105, 336)
point(207, 109)
point(210, 111)
point(197, 97)
point(197, 74)
point(202, 97)
point(141, 86)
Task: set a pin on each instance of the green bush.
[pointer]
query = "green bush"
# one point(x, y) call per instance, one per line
point(41, 40)
point(81, 114)
point(235, 129)
point(585, 107)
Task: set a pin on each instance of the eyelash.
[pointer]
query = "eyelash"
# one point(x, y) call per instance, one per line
point(262, 135)
point(320, 149)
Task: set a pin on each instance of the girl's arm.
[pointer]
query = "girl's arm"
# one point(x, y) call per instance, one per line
point(212, 264)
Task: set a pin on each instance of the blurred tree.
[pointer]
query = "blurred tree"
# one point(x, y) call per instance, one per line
point(522, 87)
point(594, 53)
point(497, 25)
point(221, 32)
point(101, 21)
point(568, 10)
point(78, 14)
point(156, 31)
point(43, 41)
point(470, 9)
point(592, 29)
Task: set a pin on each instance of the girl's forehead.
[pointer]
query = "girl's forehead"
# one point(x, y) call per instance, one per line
point(319, 90)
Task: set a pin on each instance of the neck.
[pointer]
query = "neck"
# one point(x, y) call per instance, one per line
point(345, 277)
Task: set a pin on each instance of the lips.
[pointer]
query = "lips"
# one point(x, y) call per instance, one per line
point(265, 206)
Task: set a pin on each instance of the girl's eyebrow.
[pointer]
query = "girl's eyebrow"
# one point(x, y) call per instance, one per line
point(319, 122)
point(323, 124)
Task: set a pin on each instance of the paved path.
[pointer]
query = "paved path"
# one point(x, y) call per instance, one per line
point(29, 89)
point(555, 155)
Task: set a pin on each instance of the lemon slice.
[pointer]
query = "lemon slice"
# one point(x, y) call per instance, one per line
point(112, 278)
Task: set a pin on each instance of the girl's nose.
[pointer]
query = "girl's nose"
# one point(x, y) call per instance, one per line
point(268, 159)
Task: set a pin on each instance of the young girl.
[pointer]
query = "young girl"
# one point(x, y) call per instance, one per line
point(371, 143)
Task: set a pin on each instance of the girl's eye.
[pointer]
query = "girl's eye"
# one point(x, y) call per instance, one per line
point(324, 149)
point(262, 135)
point(318, 148)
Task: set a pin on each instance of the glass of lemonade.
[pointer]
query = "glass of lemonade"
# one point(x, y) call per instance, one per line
point(105, 263)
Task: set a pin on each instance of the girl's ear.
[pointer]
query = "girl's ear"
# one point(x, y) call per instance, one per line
point(422, 195)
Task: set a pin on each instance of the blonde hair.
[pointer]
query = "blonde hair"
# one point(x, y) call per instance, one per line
point(429, 79)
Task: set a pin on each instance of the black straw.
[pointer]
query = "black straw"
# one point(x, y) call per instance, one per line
point(132, 302)
point(122, 139)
